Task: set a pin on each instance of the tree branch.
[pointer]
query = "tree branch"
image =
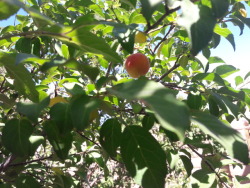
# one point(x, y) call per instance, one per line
point(208, 164)
point(176, 65)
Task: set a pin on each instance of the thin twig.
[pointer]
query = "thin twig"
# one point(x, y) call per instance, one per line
point(32, 161)
point(94, 142)
point(164, 38)
point(109, 69)
point(176, 65)
point(208, 164)
point(158, 22)
point(35, 33)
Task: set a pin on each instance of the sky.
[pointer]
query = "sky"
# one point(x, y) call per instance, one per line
point(238, 58)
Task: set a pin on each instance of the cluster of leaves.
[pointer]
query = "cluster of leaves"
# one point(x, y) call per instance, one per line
point(67, 107)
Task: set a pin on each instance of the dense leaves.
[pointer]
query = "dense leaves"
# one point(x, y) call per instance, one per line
point(70, 115)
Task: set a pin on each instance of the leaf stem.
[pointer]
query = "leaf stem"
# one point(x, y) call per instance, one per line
point(35, 33)
point(208, 164)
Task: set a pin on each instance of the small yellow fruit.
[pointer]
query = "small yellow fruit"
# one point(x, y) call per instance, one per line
point(137, 65)
point(56, 100)
point(243, 12)
point(140, 37)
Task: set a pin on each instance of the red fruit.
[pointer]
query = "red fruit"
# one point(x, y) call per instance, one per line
point(137, 65)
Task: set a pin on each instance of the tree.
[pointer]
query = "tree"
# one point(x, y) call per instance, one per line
point(72, 117)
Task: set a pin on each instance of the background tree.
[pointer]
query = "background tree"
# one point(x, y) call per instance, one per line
point(72, 117)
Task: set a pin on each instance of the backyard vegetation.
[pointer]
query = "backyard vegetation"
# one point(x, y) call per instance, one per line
point(71, 115)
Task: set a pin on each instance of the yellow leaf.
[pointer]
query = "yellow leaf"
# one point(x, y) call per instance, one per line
point(56, 100)
point(140, 37)
point(243, 12)
point(93, 115)
point(57, 170)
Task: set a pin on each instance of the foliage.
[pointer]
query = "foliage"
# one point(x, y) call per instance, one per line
point(70, 115)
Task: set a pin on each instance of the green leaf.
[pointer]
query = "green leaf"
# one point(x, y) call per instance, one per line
point(167, 110)
point(187, 164)
point(220, 7)
point(35, 142)
point(148, 7)
point(27, 181)
point(148, 121)
point(143, 157)
point(80, 109)
point(183, 61)
point(213, 107)
point(243, 19)
point(7, 10)
point(229, 138)
point(225, 32)
point(225, 104)
point(125, 35)
point(209, 77)
point(110, 136)
point(22, 58)
point(225, 70)
point(6, 102)
point(199, 23)
point(32, 110)
point(89, 42)
point(202, 178)
point(194, 101)
point(238, 80)
point(61, 142)
point(60, 113)
point(215, 60)
point(22, 78)
point(15, 137)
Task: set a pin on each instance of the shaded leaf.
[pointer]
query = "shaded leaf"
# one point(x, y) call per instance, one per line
point(199, 23)
point(202, 178)
point(229, 138)
point(220, 7)
point(32, 110)
point(225, 104)
point(17, 132)
point(151, 92)
point(61, 142)
point(148, 7)
point(22, 78)
point(80, 109)
point(194, 101)
point(26, 181)
point(148, 121)
point(60, 113)
point(110, 136)
point(187, 164)
point(143, 157)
